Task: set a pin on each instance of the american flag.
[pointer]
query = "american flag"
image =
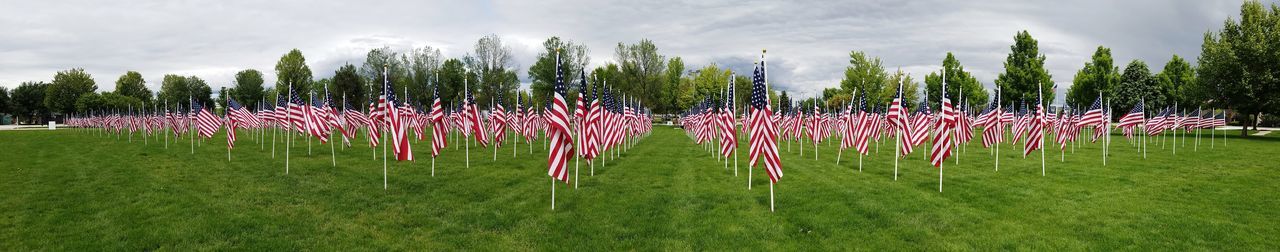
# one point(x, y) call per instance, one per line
point(475, 125)
point(592, 140)
point(920, 126)
point(498, 121)
point(897, 117)
point(1159, 122)
point(439, 139)
point(315, 120)
point(350, 120)
point(729, 136)
point(993, 130)
point(1035, 129)
point(580, 113)
point(281, 113)
point(862, 128)
point(847, 131)
point(942, 136)
point(395, 124)
point(207, 123)
point(558, 129)
point(764, 132)
point(1134, 117)
point(1220, 119)
point(1092, 116)
point(297, 112)
point(236, 116)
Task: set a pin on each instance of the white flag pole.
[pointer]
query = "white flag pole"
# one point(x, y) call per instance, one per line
point(386, 111)
point(288, 125)
point(465, 112)
point(1040, 93)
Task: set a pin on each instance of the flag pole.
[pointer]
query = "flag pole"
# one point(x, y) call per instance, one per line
point(553, 193)
point(190, 105)
point(386, 111)
point(1040, 93)
point(466, 90)
point(166, 134)
point(310, 100)
point(897, 150)
point(332, 153)
point(276, 130)
point(288, 124)
point(1106, 143)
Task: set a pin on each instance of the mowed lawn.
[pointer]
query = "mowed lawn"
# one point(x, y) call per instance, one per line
point(72, 190)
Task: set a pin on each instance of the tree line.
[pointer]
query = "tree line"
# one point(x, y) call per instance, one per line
point(1237, 70)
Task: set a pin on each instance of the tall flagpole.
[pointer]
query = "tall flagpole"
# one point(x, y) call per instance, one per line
point(465, 91)
point(765, 73)
point(288, 125)
point(332, 153)
point(277, 129)
point(386, 111)
point(1040, 94)
point(311, 99)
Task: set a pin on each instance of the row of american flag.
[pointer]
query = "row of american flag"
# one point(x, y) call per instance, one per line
point(598, 122)
point(857, 124)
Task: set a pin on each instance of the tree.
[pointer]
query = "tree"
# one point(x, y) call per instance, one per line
point(910, 89)
point(348, 86)
point(109, 102)
point(1136, 84)
point(710, 81)
point(131, 84)
point(785, 102)
point(292, 70)
point(1024, 72)
point(6, 106)
point(222, 98)
point(248, 87)
point(1098, 76)
point(642, 70)
point(376, 62)
point(542, 73)
point(492, 61)
point(68, 86)
point(1176, 82)
point(421, 66)
point(28, 102)
point(960, 84)
point(865, 74)
point(179, 91)
point(667, 101)
point(452, 74)
point(1237, 64)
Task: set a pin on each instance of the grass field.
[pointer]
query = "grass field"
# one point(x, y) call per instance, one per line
point(69, 190)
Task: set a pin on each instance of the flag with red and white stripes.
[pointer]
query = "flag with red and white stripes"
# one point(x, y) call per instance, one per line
point(764, 132)
point(561, 145)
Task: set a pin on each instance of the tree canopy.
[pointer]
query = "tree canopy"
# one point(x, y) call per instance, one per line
point(28, 102)
point(61, 95)
point(248, 88)
point(292, 70)
point(1098, 76)
point(960, 84)
point(131, 84)
point(1024, 72)
point(1237, 65)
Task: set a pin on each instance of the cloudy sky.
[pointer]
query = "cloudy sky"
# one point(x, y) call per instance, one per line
point(808, 41)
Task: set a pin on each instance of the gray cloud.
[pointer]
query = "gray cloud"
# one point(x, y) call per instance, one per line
point(808, 41)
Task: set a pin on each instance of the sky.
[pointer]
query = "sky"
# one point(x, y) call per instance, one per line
point(808, 42)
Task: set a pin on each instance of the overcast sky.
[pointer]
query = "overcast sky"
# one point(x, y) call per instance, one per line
point(808, 41)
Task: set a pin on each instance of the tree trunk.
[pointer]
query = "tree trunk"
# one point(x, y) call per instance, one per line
point(1244, 128)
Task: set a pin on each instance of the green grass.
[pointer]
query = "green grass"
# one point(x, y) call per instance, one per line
point(69, 190)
